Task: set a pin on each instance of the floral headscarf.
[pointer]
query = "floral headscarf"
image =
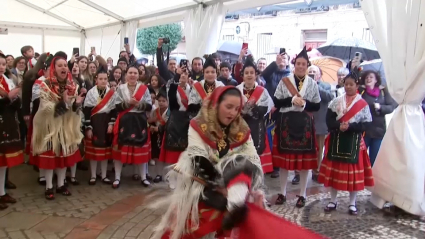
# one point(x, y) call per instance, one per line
point(209, 128)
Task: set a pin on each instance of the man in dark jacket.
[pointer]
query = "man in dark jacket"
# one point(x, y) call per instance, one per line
point(272, 75)
point(166, 72)
point(225, 76)
point(197, 69)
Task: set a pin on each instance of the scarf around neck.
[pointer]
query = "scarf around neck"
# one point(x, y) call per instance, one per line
point(374, 92)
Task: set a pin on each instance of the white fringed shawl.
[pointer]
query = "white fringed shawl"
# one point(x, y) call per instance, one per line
point(185, 198)
point(62, 134)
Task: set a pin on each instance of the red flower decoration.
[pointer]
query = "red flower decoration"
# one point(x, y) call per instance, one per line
point(144, 131)
point(122, 130)
point(308, 135)
point(94, 138)
point(133, 135)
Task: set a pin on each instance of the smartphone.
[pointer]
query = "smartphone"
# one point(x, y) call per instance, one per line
point(282, 51)
point(76, 50)
point(311, 76)
point(245, 45)
point(183, 62)
point(356, 60)
point(125, 40)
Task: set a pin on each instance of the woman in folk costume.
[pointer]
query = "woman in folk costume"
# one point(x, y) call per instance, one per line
point(57, 126)
point(99, 114)
point(346, 165)
point(132, 141)
point(204, 88)
point(175, 136)
point(11, 149)
point(221, 152)
point(258, 103)
point(158, 120)
point(294, 146)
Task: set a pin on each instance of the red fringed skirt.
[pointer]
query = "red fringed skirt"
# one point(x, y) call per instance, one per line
point(168, 156)
point(132, 154)
point(11, 158)
point(48, 160)
point(305, 161)
point(346, 176)
point(266, 158)
point(96, 153)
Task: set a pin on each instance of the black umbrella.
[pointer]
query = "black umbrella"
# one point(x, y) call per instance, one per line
point(345, 48)
point(375, 65)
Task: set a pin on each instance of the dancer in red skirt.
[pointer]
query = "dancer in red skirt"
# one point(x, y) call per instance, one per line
point(99, 113)
point(157, 120)
point(11, 149)
point(294, 146)
point(132, 143)
point(57, 126)
point(346, 165)
point(258, 103)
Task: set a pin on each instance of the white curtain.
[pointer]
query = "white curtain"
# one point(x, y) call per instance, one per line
point(398, 28)
point(202, 27)
point(129, 30)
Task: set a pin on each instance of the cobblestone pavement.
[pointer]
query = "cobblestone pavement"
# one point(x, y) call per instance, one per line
point(101, 212)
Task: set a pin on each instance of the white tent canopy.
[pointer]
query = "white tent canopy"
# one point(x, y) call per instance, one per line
point(52, 25)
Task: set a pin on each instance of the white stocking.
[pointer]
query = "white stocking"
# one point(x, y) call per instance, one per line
point(118, 169)
point(143, 168)
point(48, 174)
point(73, 170)
point(353, 196)
point(104, 168)
point(333, 192)
point(2, 180)
point(61, 174)
point(283, 180)
point(93, 168)
point(303, 182)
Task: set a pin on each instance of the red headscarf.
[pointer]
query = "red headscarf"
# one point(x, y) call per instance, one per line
point(54, 84)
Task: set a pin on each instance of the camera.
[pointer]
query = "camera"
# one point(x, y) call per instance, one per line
point(166, 40)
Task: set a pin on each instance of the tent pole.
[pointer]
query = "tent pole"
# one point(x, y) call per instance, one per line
point(43, 41)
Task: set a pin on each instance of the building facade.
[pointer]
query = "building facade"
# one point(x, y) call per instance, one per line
point(292, 30)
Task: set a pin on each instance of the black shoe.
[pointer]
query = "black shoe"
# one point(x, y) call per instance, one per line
point(296, 179)
point(146, 183)
point(157, 179)
point(274, 174)
point(106, 181)
point(41, 182)
point(148, 177)
point(352, 212)
point(330, 207)
point(92, 181)
point(9, 185)
point(74, 181)
point(63, 190)
point(281, 199)
point(300, 202)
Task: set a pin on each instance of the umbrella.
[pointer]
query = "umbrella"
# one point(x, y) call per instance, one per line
point(329, 66)
point(231, 47)
point(345, 48)
point(375, 65)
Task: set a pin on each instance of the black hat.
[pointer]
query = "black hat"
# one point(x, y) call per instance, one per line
point(355, 73)
point(162, 92)
point(210, 61)
point(303, 54)
point(50, 57)
point(61, 54)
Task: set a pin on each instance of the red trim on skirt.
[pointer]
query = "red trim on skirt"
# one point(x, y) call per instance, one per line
point(96, 153)
point(11, 159)
point(346, 176)
point(168, 156)
point(286, 161)
point(48, 160)
point(266, 157)
point(133, 154)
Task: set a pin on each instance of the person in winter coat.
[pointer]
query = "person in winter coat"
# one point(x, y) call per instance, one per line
point(380, 103)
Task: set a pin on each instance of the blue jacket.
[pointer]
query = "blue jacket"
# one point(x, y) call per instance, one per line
point(326, 96)
point(272, 75)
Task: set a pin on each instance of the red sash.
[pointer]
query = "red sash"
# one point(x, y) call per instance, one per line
point(201, 91)
point(159, 117)
point(103, 102)
point(138, 96)
point(357, 107)
point(291, 88)
point(183, 96)
point(3, 85)
point(256, 95)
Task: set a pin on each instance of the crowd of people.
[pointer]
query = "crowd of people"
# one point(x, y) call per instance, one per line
point(206, 118)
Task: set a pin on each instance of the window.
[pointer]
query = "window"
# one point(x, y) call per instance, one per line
point(264, 44)
point(314, 38)
point(228, 37)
